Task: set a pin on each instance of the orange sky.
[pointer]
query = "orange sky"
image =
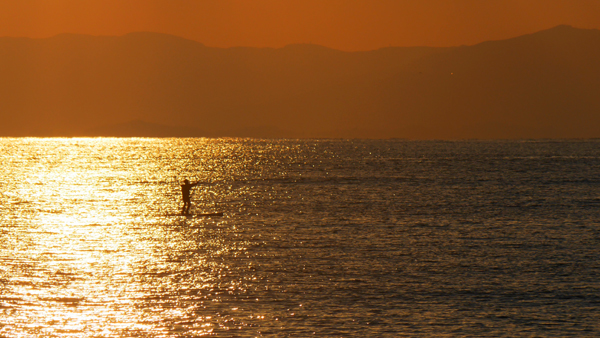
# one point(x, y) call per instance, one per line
point(342, 24)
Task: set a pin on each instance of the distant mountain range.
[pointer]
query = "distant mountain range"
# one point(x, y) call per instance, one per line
point(542, 85)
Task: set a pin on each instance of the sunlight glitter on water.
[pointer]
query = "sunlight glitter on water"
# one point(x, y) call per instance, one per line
point(331, 237)
point(89, 247)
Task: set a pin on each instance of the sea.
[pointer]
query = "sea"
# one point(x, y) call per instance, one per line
point(318, 238)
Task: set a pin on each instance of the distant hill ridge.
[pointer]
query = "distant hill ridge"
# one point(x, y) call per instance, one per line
point(541, 85)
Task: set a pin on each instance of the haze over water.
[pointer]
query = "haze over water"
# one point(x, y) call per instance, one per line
point(334, 238)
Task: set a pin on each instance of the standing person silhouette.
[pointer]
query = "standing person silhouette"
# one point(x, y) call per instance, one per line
point(186, 187)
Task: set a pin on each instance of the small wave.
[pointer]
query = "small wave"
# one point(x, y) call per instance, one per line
point(62, 299)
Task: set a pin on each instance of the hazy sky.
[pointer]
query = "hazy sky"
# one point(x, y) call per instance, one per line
point(342, 24)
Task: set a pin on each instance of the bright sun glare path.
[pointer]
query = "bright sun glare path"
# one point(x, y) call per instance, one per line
point(95, 219)
point(79, 197)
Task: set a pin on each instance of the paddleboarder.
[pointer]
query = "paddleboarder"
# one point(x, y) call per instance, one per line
point(186, 187)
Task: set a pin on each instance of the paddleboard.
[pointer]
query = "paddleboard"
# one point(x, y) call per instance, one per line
point(210, 214)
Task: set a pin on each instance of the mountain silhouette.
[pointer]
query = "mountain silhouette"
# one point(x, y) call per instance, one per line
point(542, 85)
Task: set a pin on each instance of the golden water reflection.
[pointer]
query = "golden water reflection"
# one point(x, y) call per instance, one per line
point(328, 238)
point(91, 244)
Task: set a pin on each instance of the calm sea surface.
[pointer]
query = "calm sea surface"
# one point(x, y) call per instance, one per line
point(327, 238)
